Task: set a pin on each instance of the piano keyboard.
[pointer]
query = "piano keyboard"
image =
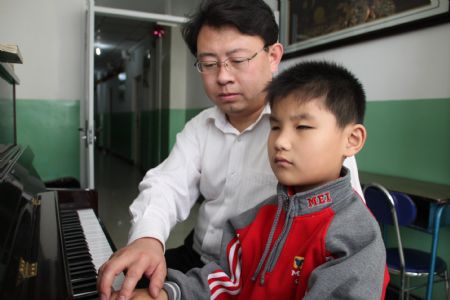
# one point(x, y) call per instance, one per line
point(86, 249)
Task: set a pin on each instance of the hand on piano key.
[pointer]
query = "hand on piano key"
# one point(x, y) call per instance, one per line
point(144, 256)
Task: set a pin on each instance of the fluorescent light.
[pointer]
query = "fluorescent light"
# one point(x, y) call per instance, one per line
point(98, 51)
point(122, 76)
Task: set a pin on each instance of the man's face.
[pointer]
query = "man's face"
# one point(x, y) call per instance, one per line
point(238, 93)
point(305, 144)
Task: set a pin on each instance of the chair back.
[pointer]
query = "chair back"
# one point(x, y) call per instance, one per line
point(385, 204)
point(405, 207)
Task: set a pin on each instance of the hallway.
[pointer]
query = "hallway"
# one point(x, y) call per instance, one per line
point(117, 184)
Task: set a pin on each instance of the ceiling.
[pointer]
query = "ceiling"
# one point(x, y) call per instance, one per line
point(115, 34)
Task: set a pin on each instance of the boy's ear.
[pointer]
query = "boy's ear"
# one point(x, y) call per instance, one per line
point(355, 138)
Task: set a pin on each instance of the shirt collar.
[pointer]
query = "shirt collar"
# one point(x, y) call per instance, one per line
point(220, 120)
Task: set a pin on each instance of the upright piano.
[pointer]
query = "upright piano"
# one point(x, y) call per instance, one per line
point(51, 241)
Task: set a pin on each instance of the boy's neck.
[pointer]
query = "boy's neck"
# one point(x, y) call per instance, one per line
point(304, 188)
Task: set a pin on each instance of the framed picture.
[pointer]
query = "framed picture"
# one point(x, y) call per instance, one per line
point(310, 25)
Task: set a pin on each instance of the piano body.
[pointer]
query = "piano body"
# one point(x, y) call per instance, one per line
point(51, 242)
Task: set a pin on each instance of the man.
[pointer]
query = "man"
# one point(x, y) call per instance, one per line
point(221, 154)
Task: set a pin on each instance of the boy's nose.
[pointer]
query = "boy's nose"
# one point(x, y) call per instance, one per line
point(282, 141)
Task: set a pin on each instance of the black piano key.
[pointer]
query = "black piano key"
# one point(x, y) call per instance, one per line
point(82, 268)
point(79, 266)
point(75, 242)
point(85, 291)
point(73, 235)
point(71, 226)
point(78, 263)
point(84, 287)
point(80, 257)
point(83, 274)
point(68, 220)
point(77, 247)
point(85, 283)
point(79, 254)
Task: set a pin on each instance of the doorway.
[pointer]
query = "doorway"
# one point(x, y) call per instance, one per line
point(111, 33)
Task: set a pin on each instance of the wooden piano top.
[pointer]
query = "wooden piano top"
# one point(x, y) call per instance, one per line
point(434, 192)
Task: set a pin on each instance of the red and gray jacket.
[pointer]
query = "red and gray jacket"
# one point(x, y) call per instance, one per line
point(319, 244)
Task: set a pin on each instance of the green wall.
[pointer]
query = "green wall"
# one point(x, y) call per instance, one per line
point(50, 129)
point(409, 139)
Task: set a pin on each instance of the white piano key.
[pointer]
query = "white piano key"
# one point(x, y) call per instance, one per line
point(98, 244)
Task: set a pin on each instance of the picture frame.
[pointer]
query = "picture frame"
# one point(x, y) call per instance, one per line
point(312, 25)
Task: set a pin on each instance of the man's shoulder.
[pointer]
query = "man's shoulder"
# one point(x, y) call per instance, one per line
point(200, 122)
point(205, 114)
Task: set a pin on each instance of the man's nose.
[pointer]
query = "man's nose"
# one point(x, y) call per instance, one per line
point(223, 73)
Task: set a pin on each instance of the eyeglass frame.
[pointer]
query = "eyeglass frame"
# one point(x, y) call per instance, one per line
point(225, 62)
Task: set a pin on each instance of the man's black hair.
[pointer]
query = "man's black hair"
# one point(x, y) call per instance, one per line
point(250, 17)
point(343, 92)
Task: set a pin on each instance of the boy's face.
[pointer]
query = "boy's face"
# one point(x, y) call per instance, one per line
point(306, 147)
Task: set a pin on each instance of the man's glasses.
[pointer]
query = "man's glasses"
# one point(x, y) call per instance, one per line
point(231, 64)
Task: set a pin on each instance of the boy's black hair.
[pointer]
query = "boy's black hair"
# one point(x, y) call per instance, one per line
point(250, 17)
point(343, 92)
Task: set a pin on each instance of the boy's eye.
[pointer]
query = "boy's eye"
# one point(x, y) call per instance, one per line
point(303, 127)
point(274, 127)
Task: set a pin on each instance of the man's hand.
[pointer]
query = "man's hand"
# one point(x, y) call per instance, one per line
point(142, 294)
point(143, 256)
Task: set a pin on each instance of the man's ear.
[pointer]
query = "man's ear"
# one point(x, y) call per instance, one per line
point(275, 53)
point(356, 135)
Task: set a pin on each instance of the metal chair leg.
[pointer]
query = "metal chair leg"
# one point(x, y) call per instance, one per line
point(407, 288)
point(402, 286)
point(447, 284)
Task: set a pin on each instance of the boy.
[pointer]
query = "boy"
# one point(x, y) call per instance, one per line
point(316, 239)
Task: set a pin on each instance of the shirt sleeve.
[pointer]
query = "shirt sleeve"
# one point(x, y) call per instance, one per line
point(168, 192)
point(215, 278)
point(350, 163)
point(356, 259)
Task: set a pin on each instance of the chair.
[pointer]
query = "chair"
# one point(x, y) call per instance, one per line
point(398, 209)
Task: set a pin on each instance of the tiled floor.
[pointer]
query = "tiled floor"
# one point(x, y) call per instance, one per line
point(116, 182)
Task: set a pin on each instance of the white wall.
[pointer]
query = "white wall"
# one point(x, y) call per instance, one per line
point(178, 65)
point(412, 65)
point(170, 7)
point(50, 36)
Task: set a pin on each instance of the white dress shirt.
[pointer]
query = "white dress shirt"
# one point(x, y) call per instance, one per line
point(230, 169)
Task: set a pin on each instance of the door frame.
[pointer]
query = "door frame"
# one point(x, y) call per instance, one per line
point(87, 172)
